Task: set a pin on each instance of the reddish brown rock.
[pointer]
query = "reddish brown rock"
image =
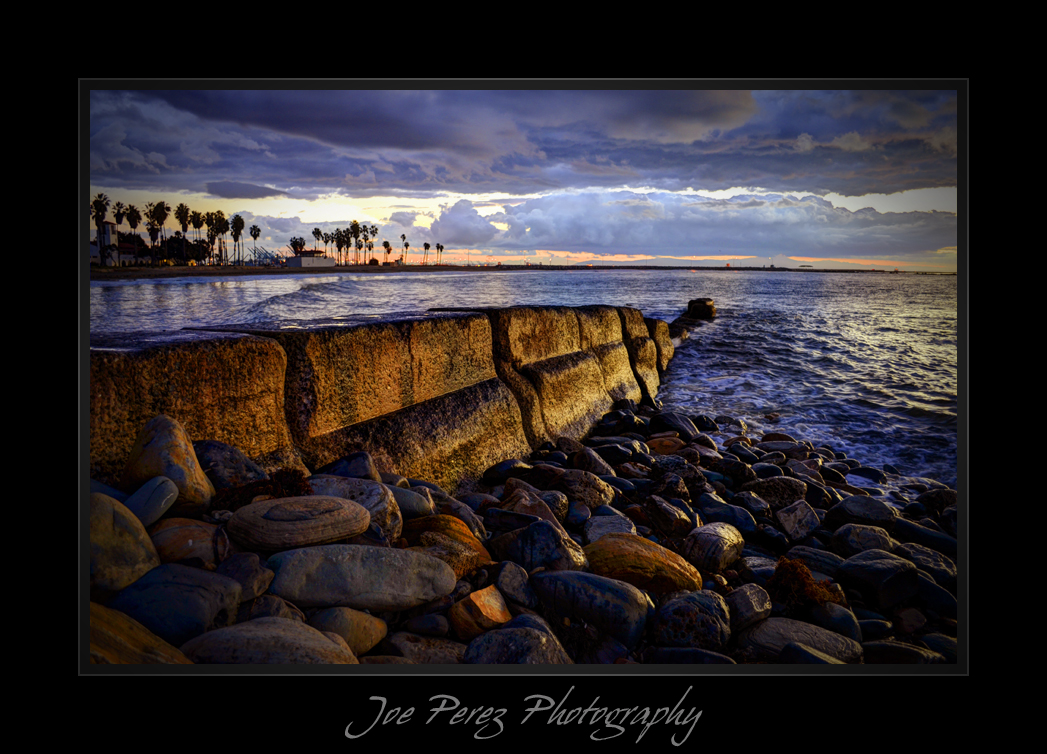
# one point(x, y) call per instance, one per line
point(479, 611)
point(185, 539)
point(642, 563)
point(118, 639)
point(664, 446)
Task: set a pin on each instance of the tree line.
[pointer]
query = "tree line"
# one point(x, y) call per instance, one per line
point(211, 247)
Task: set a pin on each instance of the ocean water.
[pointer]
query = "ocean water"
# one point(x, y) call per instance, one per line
point(866, 363)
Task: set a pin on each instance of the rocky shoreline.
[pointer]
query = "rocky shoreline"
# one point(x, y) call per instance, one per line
point(660, 538)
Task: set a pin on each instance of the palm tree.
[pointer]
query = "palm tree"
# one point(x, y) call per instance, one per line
point(406, 247)
point(388, 248)
point(364, 235)
point(161, 211)
point(212, 234)
point(403, 238)
point(255, 233)
point(99, 208)
point(182, 214)
point(222, 224)
point(118, 214)
point(339, 243)
point(354, 231)
point(439, 253)
point(425, 256)
point(197, 219)
point(317, 233)
point(238, 230)
point(134, 216)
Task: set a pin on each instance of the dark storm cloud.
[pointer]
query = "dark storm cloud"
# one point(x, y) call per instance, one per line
point(237, 190)
point(422, 143)
point(673, 225)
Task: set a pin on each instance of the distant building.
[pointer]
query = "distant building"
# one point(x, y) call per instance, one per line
point(311, 259)
point(116, 258)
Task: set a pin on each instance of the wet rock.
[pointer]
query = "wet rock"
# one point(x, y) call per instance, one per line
point(769, 637)
point(885, 580)
point(795, 653)
point(748, 604)
point(700, 619)
point(669, 421)
point(601, 525)
point(411, 504)
point(838, 619)
point(896, 653)
point(226, 466)
point(190, 542)
point(753, 503)
point(275, 641)
point(502, 471)
point(798, 520)
point(121, 550)
point(944, 645)
point(425, 650)
point(377, 499)
point(713, 547)
point(358, 465)
point(178, 602)
point(163, 448)
point(684, 656)
point(819, 561)
point(908, 531)
point(851, 539)
point(667, 518)
point(117, 639)
point(613, 607)
point(777, 491)
point(361, 577)
point(873, 629)
point(540, 545)
point(152, 500)
point(480, 611)
point(863, 510)
point(739, 472)
point(938, 500)
point(941, 568)
point(499, 521)
point(516, 646)
point(268, 606)
point(642, 563)
point(248, 569)
point(432, 624)
point(936, 598)
point(869, 473)
point(713, 509)
point(292, 522)
point(513, 583)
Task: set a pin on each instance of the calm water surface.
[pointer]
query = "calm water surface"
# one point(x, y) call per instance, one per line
point(864, 362)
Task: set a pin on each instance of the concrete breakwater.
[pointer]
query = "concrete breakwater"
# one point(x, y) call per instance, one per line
point(439, 397)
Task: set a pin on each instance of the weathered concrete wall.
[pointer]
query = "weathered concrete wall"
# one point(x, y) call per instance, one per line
point(643, 353)
point(566, 366)
point(224, 387)
point(440, 398)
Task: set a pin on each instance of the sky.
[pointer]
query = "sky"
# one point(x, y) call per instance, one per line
point(668, 172)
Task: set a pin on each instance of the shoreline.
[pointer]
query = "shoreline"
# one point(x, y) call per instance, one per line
point(99, 274)
point(624, 535)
